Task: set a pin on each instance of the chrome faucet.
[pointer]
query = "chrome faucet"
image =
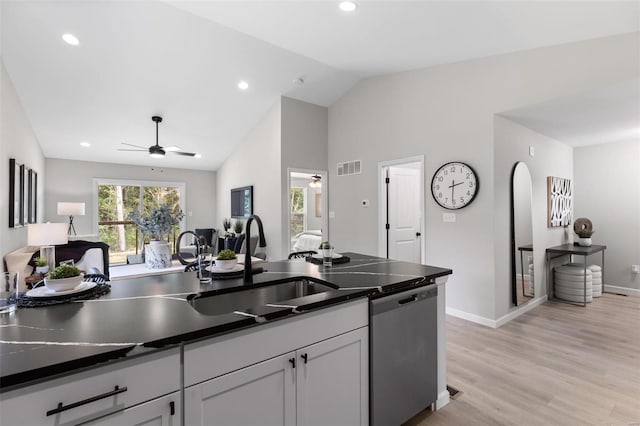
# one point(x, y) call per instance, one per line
point(248, 270)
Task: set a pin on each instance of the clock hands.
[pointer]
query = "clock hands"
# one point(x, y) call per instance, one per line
point(453, 187)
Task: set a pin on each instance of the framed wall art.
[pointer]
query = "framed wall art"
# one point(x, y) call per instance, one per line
point(24, 195)
point(33, 196)
point(559, 202)
point(14, 194)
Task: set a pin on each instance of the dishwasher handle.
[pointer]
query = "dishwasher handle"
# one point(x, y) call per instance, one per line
point(402, 299)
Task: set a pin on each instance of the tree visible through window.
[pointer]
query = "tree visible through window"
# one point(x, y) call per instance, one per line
point(116, 202)
point(298, 210)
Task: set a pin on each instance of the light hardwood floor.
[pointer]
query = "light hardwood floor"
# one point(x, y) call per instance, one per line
point(557, 364)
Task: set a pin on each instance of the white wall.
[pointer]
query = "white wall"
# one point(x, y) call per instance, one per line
point(257, 161)
point(607, 191)
point(447, 113)
point(17, 140)
point(70, 180)
point(304, 146)
point(552, 158)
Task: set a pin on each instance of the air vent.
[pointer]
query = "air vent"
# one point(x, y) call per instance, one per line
point(349, 168)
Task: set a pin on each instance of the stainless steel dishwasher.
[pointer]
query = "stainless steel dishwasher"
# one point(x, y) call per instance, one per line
point(403, 355)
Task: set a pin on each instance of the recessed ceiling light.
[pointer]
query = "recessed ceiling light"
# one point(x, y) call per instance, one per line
point(85, 144)
point(71, 39)
point(198, 156)
point(243, 85)
point(348, 6)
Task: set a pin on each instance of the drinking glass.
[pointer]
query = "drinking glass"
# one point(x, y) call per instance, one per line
point(8, 292)
point(204, 269)
point(327, 256)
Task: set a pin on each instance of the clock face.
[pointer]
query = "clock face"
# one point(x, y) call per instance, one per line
point(454, 185)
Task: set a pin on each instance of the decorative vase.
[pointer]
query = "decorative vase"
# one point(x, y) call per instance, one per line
point(584, 242)
point(226, 265)
point(42, 269)
point(157, 255)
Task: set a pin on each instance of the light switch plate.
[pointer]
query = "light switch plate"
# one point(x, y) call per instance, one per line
point(448, 217)
point(332, 215)
point(532, 151)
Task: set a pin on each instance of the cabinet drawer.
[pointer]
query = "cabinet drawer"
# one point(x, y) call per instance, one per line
point(215, 357)
point(92, 393)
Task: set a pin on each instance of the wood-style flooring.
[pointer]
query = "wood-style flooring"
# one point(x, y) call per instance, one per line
point(557, 364)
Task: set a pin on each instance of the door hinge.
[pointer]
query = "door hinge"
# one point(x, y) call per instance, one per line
point(386, 180)
point(386, 226)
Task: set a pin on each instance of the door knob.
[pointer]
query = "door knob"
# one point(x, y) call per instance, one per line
point(418, 234)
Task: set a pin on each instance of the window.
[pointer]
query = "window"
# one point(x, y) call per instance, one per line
point(115, 200)
point(298, 198)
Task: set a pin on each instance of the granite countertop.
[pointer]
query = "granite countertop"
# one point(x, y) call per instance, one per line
point(144, 314)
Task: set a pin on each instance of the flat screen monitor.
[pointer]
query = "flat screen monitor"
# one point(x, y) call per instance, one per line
point(242, 202)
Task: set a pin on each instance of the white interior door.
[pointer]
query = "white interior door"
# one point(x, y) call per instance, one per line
point(404, 237)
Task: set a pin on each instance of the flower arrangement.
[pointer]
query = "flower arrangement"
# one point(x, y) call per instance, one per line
point(158, 223)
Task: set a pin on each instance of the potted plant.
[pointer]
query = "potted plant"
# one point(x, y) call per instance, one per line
point(584, 230)
point(226, 260)
point(42, 265)
point(63, 277)
point(238, 226)
point(157, 224)
point(226, 224)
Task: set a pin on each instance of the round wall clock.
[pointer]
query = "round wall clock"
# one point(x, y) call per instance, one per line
point(454, 185)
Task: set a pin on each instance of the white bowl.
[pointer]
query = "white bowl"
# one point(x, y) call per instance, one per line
point(63, 284)
point(226, 265)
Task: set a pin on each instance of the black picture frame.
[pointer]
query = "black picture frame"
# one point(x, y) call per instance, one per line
point(33, 196)
point(14, 194)
point(242, 202)
point(24, 195)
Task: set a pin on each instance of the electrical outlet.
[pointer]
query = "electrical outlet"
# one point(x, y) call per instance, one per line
point(532, 151)
point(332, 215)
point(635, 269)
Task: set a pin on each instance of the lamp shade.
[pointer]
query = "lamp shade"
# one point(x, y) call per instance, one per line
point(71, 209)
point(45, 234)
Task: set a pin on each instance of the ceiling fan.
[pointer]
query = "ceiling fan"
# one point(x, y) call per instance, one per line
point(157, 151)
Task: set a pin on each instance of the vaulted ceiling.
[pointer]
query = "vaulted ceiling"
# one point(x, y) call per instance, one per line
point(183, 59)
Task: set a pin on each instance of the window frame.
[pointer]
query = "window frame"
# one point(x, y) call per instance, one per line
point(141, 183)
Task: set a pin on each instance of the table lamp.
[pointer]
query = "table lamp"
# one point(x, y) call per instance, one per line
point(71, 209)
point(46, 236)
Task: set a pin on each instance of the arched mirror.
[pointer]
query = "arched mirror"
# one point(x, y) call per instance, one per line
point(522, 280)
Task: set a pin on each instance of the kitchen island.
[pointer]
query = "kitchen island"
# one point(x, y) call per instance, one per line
point(152, 317)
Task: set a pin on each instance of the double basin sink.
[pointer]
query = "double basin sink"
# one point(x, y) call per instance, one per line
point(246, 300)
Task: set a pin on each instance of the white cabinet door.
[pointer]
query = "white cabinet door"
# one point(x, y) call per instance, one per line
point(333, 381)
point(164, 411)
point(260, 395)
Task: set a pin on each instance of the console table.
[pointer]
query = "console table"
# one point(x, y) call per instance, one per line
point(572, 250)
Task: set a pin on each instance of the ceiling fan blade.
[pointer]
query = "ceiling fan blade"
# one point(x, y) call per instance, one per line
point(172, 148)
point(186, 154)
point(134, 150)
point(137, 146)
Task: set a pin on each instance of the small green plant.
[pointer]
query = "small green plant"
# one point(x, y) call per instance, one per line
point(64, 271)
point(41, 261)
point(227, 255)
point(324, 245)
point(238, 226)
point(226, 224)
point(585, 233)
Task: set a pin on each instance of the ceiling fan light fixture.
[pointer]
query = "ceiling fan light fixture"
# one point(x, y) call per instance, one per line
point(316, 181)
point(156, 152)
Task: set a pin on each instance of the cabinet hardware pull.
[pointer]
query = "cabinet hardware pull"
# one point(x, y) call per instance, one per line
point(304, 357)
point(172, 408)
point(293, 362)
point(62, 407)
point(409, 299)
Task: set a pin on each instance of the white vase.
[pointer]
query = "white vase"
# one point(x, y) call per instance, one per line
point(584, 242)
point(157, 255)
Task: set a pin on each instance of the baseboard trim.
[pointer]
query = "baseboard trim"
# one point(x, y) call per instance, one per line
point(443, 399)
point(622, 290)
point(500, 321)
point(471, 317)
point(520, 310)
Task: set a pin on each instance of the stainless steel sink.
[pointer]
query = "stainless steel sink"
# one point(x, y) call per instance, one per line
point(244, 300)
